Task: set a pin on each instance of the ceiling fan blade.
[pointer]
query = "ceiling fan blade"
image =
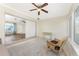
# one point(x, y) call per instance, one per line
point(44, 11)
point(32, 9)
point(35, 5)
point(38, 12)
point(45, 4)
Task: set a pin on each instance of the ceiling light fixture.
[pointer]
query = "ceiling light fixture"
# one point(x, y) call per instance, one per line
point(39, 9)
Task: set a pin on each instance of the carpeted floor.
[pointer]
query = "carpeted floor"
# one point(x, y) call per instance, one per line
point(32, 47)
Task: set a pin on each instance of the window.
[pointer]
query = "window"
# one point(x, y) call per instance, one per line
point(9, 28)
point(76, 24)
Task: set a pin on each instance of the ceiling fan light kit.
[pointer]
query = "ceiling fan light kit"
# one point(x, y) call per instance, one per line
point(40, 8)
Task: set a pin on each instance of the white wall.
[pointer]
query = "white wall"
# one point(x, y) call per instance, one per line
point(2, 21)
point(20, 27)
point(30, 29)
point(57, 26)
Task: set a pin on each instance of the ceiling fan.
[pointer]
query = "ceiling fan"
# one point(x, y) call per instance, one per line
point(39, 8)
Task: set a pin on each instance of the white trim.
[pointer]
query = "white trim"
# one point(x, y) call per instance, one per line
point(71, 40)
point(11, 11)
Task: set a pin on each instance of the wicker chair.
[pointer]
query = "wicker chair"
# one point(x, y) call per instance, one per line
point(56, 45)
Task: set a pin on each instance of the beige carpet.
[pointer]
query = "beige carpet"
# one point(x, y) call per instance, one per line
point(31, 47)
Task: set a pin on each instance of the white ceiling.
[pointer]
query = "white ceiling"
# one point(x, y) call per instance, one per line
point(54, 9)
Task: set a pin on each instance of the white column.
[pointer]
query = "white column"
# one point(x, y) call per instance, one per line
point(2, 21)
